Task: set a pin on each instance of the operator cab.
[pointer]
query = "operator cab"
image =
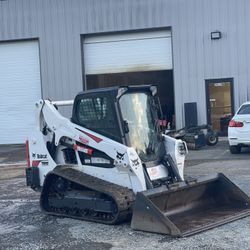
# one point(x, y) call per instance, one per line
point(126, 114)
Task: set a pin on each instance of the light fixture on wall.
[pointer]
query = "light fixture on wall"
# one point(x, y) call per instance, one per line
point(215, 35)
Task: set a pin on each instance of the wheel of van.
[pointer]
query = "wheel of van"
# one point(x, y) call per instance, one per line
point(212, 139)
point(235, 149)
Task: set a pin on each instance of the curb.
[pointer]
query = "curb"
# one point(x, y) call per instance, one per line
point(12, 170)
point(13, 165)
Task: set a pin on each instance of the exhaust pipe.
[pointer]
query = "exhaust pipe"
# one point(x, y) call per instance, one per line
point(190, 208)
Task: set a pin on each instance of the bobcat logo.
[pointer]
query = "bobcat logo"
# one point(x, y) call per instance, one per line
point(119, 156)
point(135, 162)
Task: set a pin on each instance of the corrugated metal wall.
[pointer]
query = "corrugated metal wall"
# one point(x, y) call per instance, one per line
point(59, 25)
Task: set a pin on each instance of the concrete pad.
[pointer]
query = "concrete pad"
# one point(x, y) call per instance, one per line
point(215, 153)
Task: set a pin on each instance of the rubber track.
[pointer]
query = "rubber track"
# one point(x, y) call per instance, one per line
point(123, 197)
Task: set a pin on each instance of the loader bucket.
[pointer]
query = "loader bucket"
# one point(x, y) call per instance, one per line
point(191, 207)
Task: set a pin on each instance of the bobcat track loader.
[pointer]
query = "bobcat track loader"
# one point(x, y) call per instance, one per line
point(111, 162)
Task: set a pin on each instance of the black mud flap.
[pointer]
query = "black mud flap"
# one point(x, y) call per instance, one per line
point(32, 177)
point(190, 208)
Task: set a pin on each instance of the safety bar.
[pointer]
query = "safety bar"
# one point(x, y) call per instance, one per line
point(63, 103)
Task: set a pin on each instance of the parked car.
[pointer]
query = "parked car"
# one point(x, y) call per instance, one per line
point(239, 129)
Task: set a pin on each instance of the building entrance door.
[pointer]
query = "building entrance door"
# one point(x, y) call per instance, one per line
point(220, 109)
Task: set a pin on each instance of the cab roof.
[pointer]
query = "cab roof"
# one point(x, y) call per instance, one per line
point(115, 90)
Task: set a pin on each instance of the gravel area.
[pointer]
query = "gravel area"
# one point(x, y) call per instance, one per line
point(24, 226)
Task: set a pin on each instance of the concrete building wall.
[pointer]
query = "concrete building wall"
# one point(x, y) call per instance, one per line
point(59, 25)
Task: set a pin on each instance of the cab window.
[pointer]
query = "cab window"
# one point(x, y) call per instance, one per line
point(97, 114)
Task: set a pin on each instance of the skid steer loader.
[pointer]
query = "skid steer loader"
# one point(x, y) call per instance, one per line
point(111, 162)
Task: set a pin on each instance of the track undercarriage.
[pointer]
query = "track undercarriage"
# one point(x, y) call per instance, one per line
point(71, 193)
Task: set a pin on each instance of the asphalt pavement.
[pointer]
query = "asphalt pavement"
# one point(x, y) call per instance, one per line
point(24, 226)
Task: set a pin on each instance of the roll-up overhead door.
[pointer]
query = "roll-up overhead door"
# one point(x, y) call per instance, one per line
point(128, 52)
point(20, 88)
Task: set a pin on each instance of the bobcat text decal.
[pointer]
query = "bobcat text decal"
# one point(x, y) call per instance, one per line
point(39, 156)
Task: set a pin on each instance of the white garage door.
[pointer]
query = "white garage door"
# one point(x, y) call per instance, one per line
point(128, 52)
point(20, 88)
